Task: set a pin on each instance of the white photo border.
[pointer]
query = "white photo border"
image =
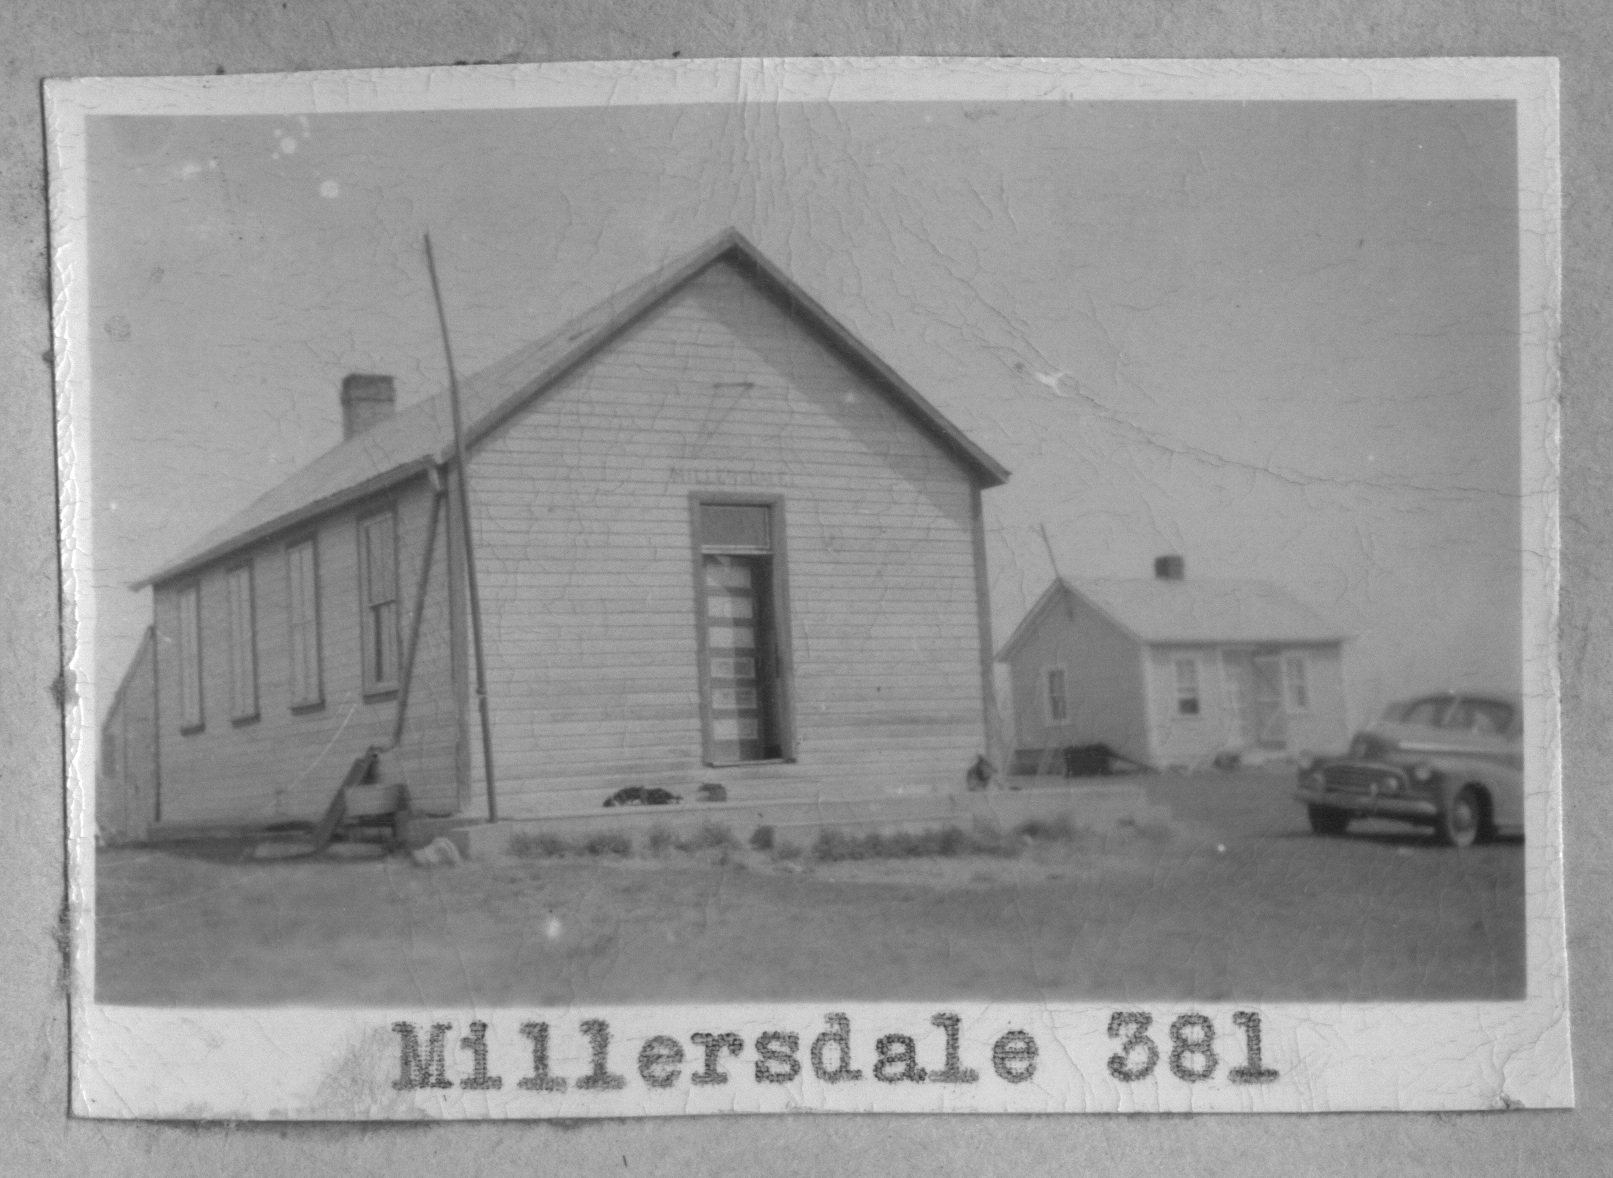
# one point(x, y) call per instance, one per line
point(341, 1064)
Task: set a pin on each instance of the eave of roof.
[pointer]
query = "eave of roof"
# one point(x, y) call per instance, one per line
point(289, 521)
point(528, 373)
point(1033, 618)
point(1061, 587)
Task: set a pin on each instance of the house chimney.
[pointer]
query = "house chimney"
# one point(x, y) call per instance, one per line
point(366, 402)
point(1170, 568)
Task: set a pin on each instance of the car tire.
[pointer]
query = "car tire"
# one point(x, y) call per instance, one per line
point(1326, 820)
point(1462, 819)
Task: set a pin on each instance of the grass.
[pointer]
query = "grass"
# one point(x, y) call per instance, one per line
point(608, 843)
point(831, 846)
point(713, 836)
point(554, 846)
point(834, 846)
point(1380, 916)
point(1154, 832)
point(540, 846)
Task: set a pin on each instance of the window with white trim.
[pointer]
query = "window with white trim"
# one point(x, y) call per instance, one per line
point(302, 598)
point(1058, 696)
point(243, 643)
point(190, 658)
point(1296, 683)
point(1187, 687)
point(378, 593)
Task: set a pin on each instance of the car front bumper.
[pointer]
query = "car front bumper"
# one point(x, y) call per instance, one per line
point(1364, 805)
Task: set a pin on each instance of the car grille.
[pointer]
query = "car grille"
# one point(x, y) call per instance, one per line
point(1359, 779)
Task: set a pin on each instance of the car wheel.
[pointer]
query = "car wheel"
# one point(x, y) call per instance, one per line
point(1326, 820)
point(1459, 822)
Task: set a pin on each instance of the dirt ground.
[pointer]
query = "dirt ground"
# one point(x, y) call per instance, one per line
point(1236, 901)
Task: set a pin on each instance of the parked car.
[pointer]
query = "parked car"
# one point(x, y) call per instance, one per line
point(1453, 762)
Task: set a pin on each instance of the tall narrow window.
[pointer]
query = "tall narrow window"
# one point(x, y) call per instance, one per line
point(190, 658)
point(302, 594)
point(1058, 699)
point(740, 571)
point(243, 643)
point(1299, 691)
point(1187, 687)
point(378, 591)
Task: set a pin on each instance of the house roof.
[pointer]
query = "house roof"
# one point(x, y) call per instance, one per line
point(1154, 610)
point(420, 436)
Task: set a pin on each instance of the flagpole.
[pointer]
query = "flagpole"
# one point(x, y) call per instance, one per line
point(470, 552)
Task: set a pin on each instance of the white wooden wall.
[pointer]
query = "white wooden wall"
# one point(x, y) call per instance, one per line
point(287, 764)
point(1322, 727)
point(584, 554)
point(1103, 678)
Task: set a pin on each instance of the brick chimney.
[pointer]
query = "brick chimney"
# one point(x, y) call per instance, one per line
point(366, 402)
point(1170, 568)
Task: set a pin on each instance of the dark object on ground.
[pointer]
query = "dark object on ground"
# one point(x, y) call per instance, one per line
point(761, 838)
point(1228, 760)
point(1087, 760)
point(980, 774)
point(1076, 760)
point(638, 795)
point(713, 791)
point(1095, 760)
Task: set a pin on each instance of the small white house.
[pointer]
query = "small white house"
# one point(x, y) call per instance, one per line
point(1169, 671)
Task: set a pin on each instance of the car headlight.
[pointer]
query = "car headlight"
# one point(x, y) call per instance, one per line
point(1422, 773)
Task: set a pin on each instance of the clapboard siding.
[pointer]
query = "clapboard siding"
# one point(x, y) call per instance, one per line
point(1322, 726)
point(287, 763)
point(583, 548)
point(1103, 674)
point(1122, 690)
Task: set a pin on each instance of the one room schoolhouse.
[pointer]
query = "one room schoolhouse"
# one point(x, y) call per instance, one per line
point(715, 539)
point(1174, 672)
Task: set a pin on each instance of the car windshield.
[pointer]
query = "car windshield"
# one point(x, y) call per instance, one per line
point(1426, 713)
point(1487, 717)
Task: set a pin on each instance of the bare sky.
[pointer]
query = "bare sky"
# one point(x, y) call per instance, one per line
point(1278, 338)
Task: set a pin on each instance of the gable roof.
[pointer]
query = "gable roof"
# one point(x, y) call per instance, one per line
point(420, 436)
point(1154, 610)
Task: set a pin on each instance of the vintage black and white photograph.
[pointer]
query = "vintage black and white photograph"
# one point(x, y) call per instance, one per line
point(711, 586)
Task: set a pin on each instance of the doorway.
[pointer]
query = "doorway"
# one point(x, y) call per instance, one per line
point(741, 640)
point(1255, 682)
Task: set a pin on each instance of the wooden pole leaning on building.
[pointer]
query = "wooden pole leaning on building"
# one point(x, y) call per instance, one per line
point(407, 681)
point(470, 550)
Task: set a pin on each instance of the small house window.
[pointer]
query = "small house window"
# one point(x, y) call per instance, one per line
point(302, 576)
point(1058, 699)
point(243, 643)
point(190, 658)
point(741, 632)
point(378, 591)
point(1187, 687)
point(1296, 684)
